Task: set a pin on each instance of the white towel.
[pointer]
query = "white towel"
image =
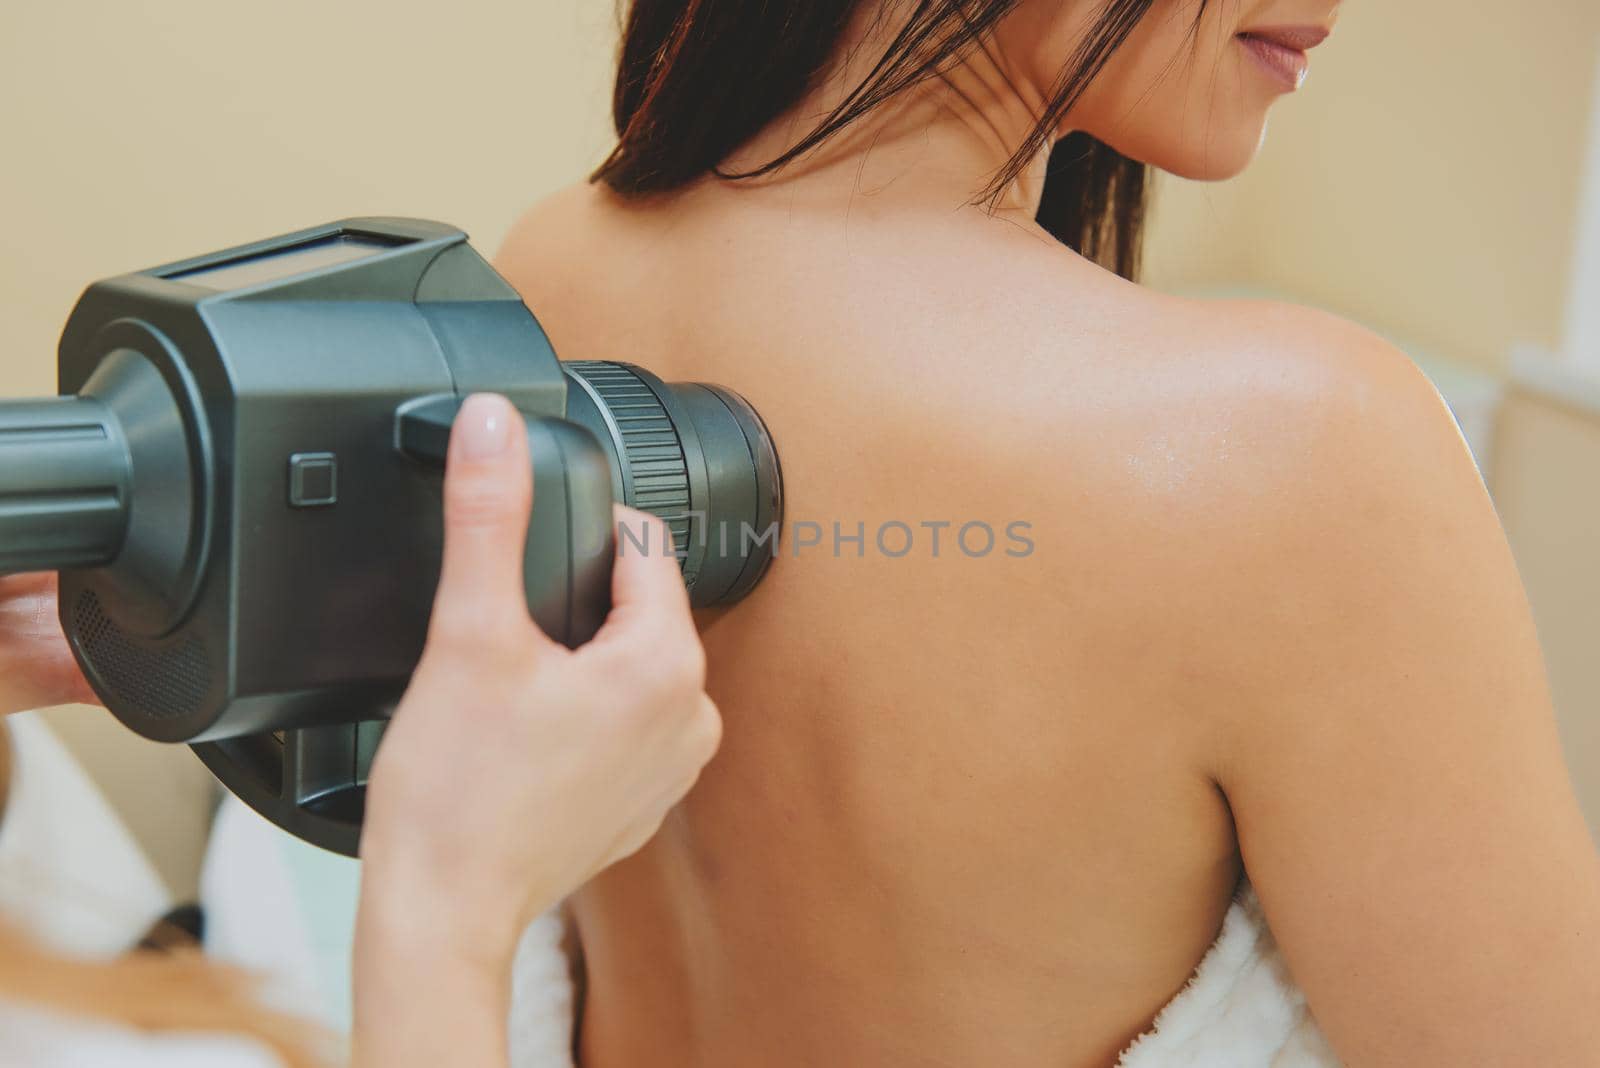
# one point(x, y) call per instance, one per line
point(71, 874)
point(542, 997)
point(1240, 1010)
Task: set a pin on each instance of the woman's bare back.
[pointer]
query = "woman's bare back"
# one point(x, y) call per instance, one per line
point(954, 816)
point(967, 809)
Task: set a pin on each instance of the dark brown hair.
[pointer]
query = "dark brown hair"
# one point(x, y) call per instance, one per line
point(698, 78)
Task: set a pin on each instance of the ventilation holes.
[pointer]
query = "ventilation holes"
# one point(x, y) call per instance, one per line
point(159, 683)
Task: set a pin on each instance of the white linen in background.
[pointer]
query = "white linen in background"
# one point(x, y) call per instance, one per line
point(71, 874)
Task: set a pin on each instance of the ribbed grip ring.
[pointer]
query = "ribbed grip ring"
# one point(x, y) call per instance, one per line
point(656, 477)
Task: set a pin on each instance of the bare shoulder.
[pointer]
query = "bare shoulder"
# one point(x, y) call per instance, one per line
point(570, 209)
point(1258, 483)
point(1300, 545)
point(544, 233)
point(1226, 423)
point(1138, 426)
point(1356, 639)
point(1321, 456)
point(1317, 410)
point(1207, 413)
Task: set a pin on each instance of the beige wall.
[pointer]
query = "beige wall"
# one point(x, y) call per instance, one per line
point(134, 133)
point(1425, 182)
point(1547, 448)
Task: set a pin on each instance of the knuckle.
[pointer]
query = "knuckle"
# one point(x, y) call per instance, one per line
point(707, 730)
point(643, 831)
point(449, 633)
point(666, 661)
point(690, 658)
point(680, 664)
point(461, 635)
point(476, 622)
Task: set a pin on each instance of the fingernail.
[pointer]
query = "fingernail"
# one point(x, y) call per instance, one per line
point(485, 426)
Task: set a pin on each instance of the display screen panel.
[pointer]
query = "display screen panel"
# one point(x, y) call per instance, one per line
point(284, 262)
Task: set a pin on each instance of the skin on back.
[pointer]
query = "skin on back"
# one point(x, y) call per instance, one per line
point(914, 845)
point(982, 810)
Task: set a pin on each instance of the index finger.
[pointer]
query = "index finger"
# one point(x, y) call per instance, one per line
point(647, 589)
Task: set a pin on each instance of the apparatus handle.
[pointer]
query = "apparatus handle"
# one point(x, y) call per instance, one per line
point(567, 560)
point(64, 478)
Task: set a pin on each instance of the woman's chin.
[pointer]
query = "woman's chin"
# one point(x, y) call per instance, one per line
point(1222, 155)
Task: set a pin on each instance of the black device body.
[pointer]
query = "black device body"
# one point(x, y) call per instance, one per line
point(241, 490)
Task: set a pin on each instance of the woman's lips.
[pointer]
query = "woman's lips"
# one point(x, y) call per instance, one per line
point(1281, 51)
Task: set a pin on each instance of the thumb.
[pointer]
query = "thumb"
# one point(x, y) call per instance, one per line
point(488, 491)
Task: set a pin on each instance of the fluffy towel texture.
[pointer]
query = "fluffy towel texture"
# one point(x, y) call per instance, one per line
point(1240, 1010)
point(541, 997)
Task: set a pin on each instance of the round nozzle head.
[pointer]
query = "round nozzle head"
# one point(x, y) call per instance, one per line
point(64, 477)
point(696, 455)
point(102, 485)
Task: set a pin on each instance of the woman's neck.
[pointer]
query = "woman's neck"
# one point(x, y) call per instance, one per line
point(940, 143)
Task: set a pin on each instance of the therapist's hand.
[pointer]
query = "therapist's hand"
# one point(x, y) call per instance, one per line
point(36, 666)
point(515, 769)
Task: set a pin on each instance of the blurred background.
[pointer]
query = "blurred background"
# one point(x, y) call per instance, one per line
point(1437, 180)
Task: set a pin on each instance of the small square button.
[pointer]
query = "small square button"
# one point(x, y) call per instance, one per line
point(313, 479)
